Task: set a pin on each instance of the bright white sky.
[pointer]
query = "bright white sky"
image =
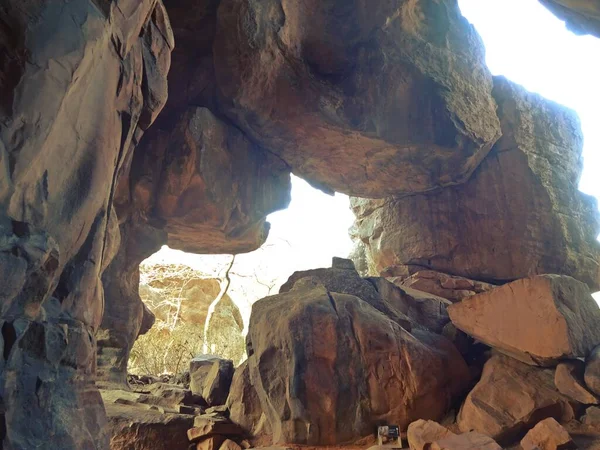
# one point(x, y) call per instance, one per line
point(524, 42)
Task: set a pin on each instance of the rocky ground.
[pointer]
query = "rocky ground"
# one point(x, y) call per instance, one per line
point(335, 355)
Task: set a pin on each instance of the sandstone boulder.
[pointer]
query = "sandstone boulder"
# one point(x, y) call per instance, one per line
point(132, 427)
point(332, 88)
point(548, 435)
point(592, 371)
point(208, 184)
point(424, 309)
point(520, 214)
point(217, 382)
point(592, 417)
point(511, 398)
point(422, 433)
point(348, 281)
point(450, 287)
point(569, 381)
point(244, 404)
point(468, 441)
point(538, 320)
point(328, 367)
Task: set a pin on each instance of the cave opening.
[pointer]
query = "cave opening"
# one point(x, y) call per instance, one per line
point(202, 303)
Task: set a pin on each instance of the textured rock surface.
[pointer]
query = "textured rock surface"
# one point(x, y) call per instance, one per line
point(348, 281)
point(568, 379)
point(244, 404)
point(511, 398)
point(443, 285)
point(218, 382)
point(424, 309)
point(332, 88)
point(133, 425)
point(538, 320)
point(125, 316)
point(581, 17)
point(467, 441)
point(422, 433)
point(327, 367)
point(592, 371)
point(548, 435)
point(520, 214)
point(80, 81)
point(208, 184)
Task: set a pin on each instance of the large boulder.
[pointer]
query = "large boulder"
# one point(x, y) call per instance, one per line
point(548, 435)
point(511, 398)
point(538, 320)
point(207, 183)
point(520, 214)
point(328, 367)
point(136, 427)
point(569, 381)
point(424, 309)
point(358, 97)
point(244, 405)
point(422, 433)
point(408, 307)
point(217, 382)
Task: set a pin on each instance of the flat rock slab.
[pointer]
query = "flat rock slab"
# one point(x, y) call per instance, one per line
point(538, 320)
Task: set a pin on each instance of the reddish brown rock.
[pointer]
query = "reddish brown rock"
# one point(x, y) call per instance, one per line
point(244, 404)
point(539, 320)
point(467, 441)
point(520, 214)
point(511, 398)
point(422, 433)
point(332, 88)
point(548, 435)
point(422, 308)
point(209, 185)
point(132, 427)
point(568, 379)
point(309, 345)
point(443, 285)
point(217, 382)
point(80, 82)
point(346, 280)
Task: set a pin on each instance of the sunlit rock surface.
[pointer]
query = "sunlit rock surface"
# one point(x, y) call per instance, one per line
point(520, 214)
point(365, 98)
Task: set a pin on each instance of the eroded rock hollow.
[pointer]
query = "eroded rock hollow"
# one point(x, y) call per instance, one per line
point(377, 99)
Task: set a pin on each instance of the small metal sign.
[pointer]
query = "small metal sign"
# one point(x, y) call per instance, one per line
point(389, 435)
